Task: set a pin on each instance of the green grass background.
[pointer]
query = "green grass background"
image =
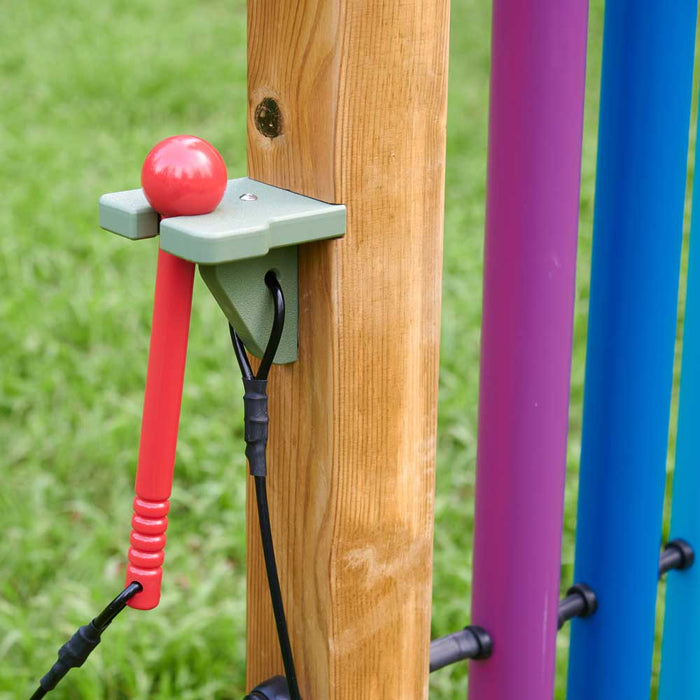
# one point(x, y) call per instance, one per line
point(87, 88)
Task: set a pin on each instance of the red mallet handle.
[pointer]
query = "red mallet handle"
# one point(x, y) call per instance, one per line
point(161, 416)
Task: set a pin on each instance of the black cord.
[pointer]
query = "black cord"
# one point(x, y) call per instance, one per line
point(241, 356)
point(275, 335)
point(106, 617)
point(277, 325)
point(274, 584)
point(256, 423)
point(76, 650)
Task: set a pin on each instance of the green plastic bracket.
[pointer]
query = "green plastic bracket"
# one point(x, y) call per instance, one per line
point(240, 290)
point(256, 228)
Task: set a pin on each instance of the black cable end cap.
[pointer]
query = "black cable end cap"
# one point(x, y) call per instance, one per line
point(687, 555)
point(274, 688)
point(587, 595)
point(484, 640)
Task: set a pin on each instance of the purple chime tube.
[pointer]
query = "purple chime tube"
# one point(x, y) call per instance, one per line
point(534, 166)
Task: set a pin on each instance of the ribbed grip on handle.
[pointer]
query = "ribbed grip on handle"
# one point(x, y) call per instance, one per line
point(146, 555)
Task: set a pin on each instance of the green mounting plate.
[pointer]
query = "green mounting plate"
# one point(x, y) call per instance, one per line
point(240, 290)
point(129, 214)
point(256, 228)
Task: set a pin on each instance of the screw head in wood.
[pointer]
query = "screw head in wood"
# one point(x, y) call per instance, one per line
point(268, 118)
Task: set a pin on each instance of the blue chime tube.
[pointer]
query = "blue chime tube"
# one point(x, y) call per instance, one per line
point(640, 190)
point(680, 672)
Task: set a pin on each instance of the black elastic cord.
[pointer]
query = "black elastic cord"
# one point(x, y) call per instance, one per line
point(106, 617)
point(274, 584)
point(275, 334)
point(76, 650)
point(277, 325)
point(256, 421)
point(241, 356)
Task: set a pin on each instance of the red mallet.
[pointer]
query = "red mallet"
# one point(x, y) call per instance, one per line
point(182, 175)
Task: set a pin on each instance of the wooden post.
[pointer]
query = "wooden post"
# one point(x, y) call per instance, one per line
point(347, 103)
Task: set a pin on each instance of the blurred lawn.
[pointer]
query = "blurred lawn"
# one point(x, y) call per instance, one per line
point(87, 88)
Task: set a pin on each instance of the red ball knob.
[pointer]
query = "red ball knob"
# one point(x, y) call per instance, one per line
point(183, 176)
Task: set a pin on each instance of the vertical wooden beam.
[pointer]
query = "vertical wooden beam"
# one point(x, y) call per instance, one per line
point(361, 91)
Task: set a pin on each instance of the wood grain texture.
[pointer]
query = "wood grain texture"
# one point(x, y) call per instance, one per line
point(362, 89)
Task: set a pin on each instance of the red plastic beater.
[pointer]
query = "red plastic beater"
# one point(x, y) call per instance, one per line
point(182, 175)
point(159, 426)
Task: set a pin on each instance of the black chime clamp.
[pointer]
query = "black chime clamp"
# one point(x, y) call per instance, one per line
point(580, 601)
point(472, 642)
point(677, 554)
point(274, 688)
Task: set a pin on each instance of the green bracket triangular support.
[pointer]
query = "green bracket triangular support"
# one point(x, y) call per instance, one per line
point(256, 228)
